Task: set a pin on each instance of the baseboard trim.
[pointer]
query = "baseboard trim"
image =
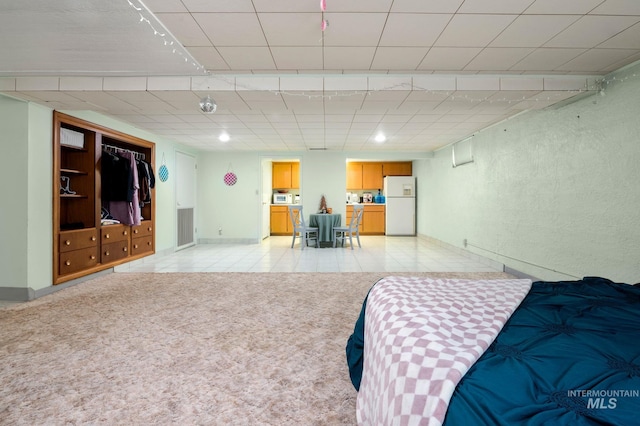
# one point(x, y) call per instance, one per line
point(17, 294)
point(228, 241)
point(25, 294)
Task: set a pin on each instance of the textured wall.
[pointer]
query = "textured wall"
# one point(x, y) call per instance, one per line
point(552, 193)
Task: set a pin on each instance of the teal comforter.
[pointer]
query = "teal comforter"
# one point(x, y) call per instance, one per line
point(569, 355)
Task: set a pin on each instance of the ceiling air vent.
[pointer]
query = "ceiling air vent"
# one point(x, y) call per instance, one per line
point(317, 149)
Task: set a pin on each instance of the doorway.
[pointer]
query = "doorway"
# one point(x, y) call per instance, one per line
point(185, 200)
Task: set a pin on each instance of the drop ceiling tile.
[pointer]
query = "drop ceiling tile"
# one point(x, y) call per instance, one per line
point(219, 5)
point(169, 83)
point(448, 58)
point(627, 39)
point(555, 7)
point(231, 29)
point(266, 106)
point(545, 60)
point(352, 29)
point(421, 6)
point(37, 83)
point(159, 6)
point(291, 29)
point(597, 60)
point(348, 83)
point(302, 83)
point(209, 58)
point(473, 30)
point(125, 83)
point(247, 58)
point(185, 29)
point(494, 6)
point(398, 58)
point(359, 6)
point(590, 31)
point(338, 58)
point(533, 31)
point(617, 7)
point(285, 6)
point(496, 59)
point(411, 29)
point(521, 83)
point(81, 83)
point(297, 57)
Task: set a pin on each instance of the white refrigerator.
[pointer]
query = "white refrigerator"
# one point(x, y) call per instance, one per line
point(400, 199)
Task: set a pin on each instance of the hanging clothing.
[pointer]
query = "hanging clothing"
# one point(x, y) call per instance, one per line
point(116, 177)
point(127, 212)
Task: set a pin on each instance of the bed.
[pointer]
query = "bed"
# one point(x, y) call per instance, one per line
point(497, 352)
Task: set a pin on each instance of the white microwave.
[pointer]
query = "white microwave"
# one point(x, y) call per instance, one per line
point(282, 198)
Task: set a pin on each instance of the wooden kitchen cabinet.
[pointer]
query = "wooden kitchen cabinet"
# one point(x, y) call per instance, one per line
point(285, 175)
point(354, 175)
point(397, 168)
point(280, 222)
point(373, 222)
point(364, 175)
point(295, 175)
point(370, 175)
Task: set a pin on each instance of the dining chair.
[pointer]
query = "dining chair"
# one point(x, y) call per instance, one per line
point(300, 228)
point(353, 228)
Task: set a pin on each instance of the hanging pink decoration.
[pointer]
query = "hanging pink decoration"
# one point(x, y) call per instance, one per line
point(324, 24)
point(323, 5)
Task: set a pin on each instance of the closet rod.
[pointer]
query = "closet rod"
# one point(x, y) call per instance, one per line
point(137, 155)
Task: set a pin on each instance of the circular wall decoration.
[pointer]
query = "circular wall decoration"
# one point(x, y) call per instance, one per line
point(163, 172)
point(230, 179)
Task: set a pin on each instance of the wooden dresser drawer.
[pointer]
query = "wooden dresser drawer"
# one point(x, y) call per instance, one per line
point(114, 233)
point(141, 245)
point(77, 260)
point(114, 251)
point(142, 230)
point(78, 239)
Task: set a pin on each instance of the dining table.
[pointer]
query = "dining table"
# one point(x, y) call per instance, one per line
point(325, 223)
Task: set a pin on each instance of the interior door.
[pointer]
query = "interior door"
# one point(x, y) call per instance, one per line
point(265, 198)
point(185, 200)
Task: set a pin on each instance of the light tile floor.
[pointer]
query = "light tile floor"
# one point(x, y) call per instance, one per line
point(274, 254)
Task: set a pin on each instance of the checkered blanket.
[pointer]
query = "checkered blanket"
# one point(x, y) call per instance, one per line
point(421, 336)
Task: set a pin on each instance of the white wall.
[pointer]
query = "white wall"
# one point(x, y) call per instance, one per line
point(553, 193)
point(14, 169)
point(237, 209)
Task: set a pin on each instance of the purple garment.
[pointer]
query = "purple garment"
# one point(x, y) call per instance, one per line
point(126, 212)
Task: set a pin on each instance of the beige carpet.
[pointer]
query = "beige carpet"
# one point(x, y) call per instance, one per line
point(198, 348)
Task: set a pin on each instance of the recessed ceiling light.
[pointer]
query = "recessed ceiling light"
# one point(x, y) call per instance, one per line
point(224, 137)
point(380, 137)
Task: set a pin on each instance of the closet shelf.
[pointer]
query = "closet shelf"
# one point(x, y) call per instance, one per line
point(73, 196)
point(73, 172)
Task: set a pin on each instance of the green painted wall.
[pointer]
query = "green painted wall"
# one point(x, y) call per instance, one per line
point(552, 193)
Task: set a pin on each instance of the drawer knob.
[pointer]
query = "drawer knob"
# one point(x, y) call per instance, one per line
point(106, 253)
point(92, 257)
point(68, 242)
point(135, 246)
point(125, 233)
point(93, 238)
point(68, 263)
point(135, 231)
point(107, 236)
point(124, 249)
point(149, 229)
point(148, 243)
